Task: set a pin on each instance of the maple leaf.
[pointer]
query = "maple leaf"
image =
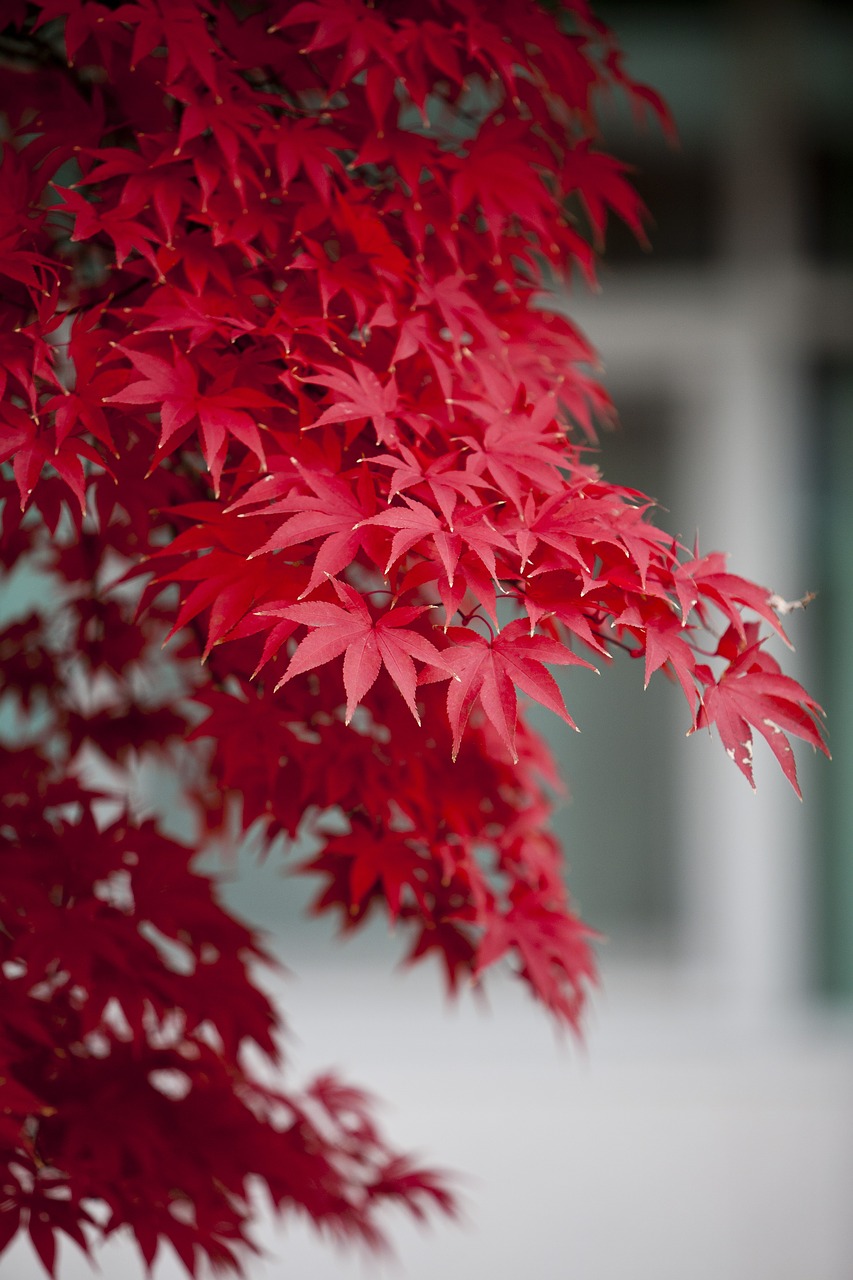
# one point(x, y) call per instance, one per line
point(359, 396)
point(489, 670)
point(172, 188)
point(310, 146)
point(31, 448)
point(501, 174)
point(603, 186)
point(23, 265)
point(390, 863)
point(120, 225)
point(419, 335)
point(753, 694)
point(364, 33)
point(459, 310)
point(453, 946)
point(219, 413)
point(415, 523)
point(488, 44)
point(411, 156)
point(335, 275)
point(185, 35)
point(229, 588)
point(664, 643)
point(367, 645)
point(333, 512)
point(553, 947)
point(708, 577)
point(563, 595)
point(446, 482)
point(516, 449)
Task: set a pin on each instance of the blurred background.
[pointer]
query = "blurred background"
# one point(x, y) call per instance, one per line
point(705, 1128)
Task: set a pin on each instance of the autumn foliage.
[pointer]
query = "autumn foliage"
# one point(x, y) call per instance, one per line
point(305, 460)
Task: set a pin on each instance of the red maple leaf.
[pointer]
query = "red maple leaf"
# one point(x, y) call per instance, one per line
point(332, 512)
point(552, 945)
point(364, 33)
point(753, 694)
point(501, 174)
point(359, 396)
point(218, 412)
point(445, 480)
point(367, 644)
point(488, 671)
point(389, 866)
point(603, 186)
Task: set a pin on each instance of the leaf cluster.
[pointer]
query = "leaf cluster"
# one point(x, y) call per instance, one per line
point(282, 385)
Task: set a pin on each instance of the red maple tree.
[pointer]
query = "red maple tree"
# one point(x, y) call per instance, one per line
point(281, 391)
